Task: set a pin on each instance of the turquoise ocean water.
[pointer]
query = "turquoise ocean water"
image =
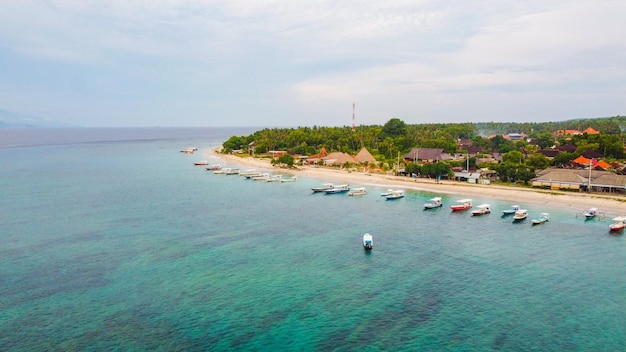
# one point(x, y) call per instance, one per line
point(110, 239)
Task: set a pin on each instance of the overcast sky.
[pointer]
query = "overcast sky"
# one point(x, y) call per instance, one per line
point(304, 63)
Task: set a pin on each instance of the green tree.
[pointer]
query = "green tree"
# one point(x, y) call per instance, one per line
point(394, 128)
point(514, 157)
point(537, 161)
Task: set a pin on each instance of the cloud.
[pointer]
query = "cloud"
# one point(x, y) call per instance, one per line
point(278, 58)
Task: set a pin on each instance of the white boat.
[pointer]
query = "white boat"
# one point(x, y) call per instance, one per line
point(543, 217)
point(520, 215)
point(396, 194)
point(590, 213)
point(274, 178)
point(433, 203)
point(368, 241)
point(386, 193)
point(461, 204)
point(511, 210)
point(482, 210)
point(322, 188)
point(232, 172)
point(222, 170)
point(618, 224)
point(359, 191)
point(261, 177)
point(249, 172)
point(338, 189)
point(291, 179)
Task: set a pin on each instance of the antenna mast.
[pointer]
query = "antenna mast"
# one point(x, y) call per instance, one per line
point(353, 108)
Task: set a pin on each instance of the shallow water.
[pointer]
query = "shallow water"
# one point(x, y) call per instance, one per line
point(118, 242)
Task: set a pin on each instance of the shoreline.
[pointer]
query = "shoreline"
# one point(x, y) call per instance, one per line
point(611, 206)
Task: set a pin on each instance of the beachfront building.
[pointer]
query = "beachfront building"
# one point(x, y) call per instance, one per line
point(426, 155)
point(579, 179)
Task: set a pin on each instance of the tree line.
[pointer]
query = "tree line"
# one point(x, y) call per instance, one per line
point(396, 138)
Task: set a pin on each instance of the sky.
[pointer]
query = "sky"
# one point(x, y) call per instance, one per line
point(304, 63)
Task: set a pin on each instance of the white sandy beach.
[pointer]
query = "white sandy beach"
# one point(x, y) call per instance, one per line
point(611, 206)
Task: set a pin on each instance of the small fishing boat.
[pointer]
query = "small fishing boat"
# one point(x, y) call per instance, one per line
point(396, 194)
point(201, 163)
point(590, 213)
point(543, 217)
point(483, 209)
point(368, 241)
point(461, 204)
point(222, 170)
point(249, 172)
point(261, 177)
point(359, 191)
point(338, 189)
point(520, 215)
point(386, 193)
point(618, 224)
point(511, 210)
point(274, 178)
point(433, 203)
point(322, 188)
point(213, 167)
point(290, 179)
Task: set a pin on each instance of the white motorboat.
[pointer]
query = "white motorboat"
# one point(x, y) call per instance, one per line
point(322, 188)
point(543, 217)
point(386, 193)
point(433, 203)
point(290, 179)
point(395, 194)
point(368, 241)
point(274, 178)
point(261, 177)
point(520, 215)
point(338, 189)
point(511, 210)
point(359, 191)
point(482, 210)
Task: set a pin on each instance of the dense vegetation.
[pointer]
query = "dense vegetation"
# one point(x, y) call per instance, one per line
point(396, 138)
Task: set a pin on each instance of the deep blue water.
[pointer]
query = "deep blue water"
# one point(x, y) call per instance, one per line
point(110, 239)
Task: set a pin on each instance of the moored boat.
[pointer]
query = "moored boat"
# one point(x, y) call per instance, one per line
point(213, 167)
point(618, 224)
point(461, 204)
point(322, 188)
point(520, 215)
point(511, 210)
point(482, 210)
point(368, 241)
point(201, 163)
point(274, 178)
point(543, 217)
point(386, 193)
point(395, 194)
point(433, 203)
point(222, 170)
point(359, 191)
point(591, 213)
point(290, 179)
point(338, 189)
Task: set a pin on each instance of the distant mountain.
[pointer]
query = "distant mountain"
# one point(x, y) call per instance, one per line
point(15, 119)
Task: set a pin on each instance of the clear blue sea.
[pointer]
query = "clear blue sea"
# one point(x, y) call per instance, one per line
point(110, 239)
